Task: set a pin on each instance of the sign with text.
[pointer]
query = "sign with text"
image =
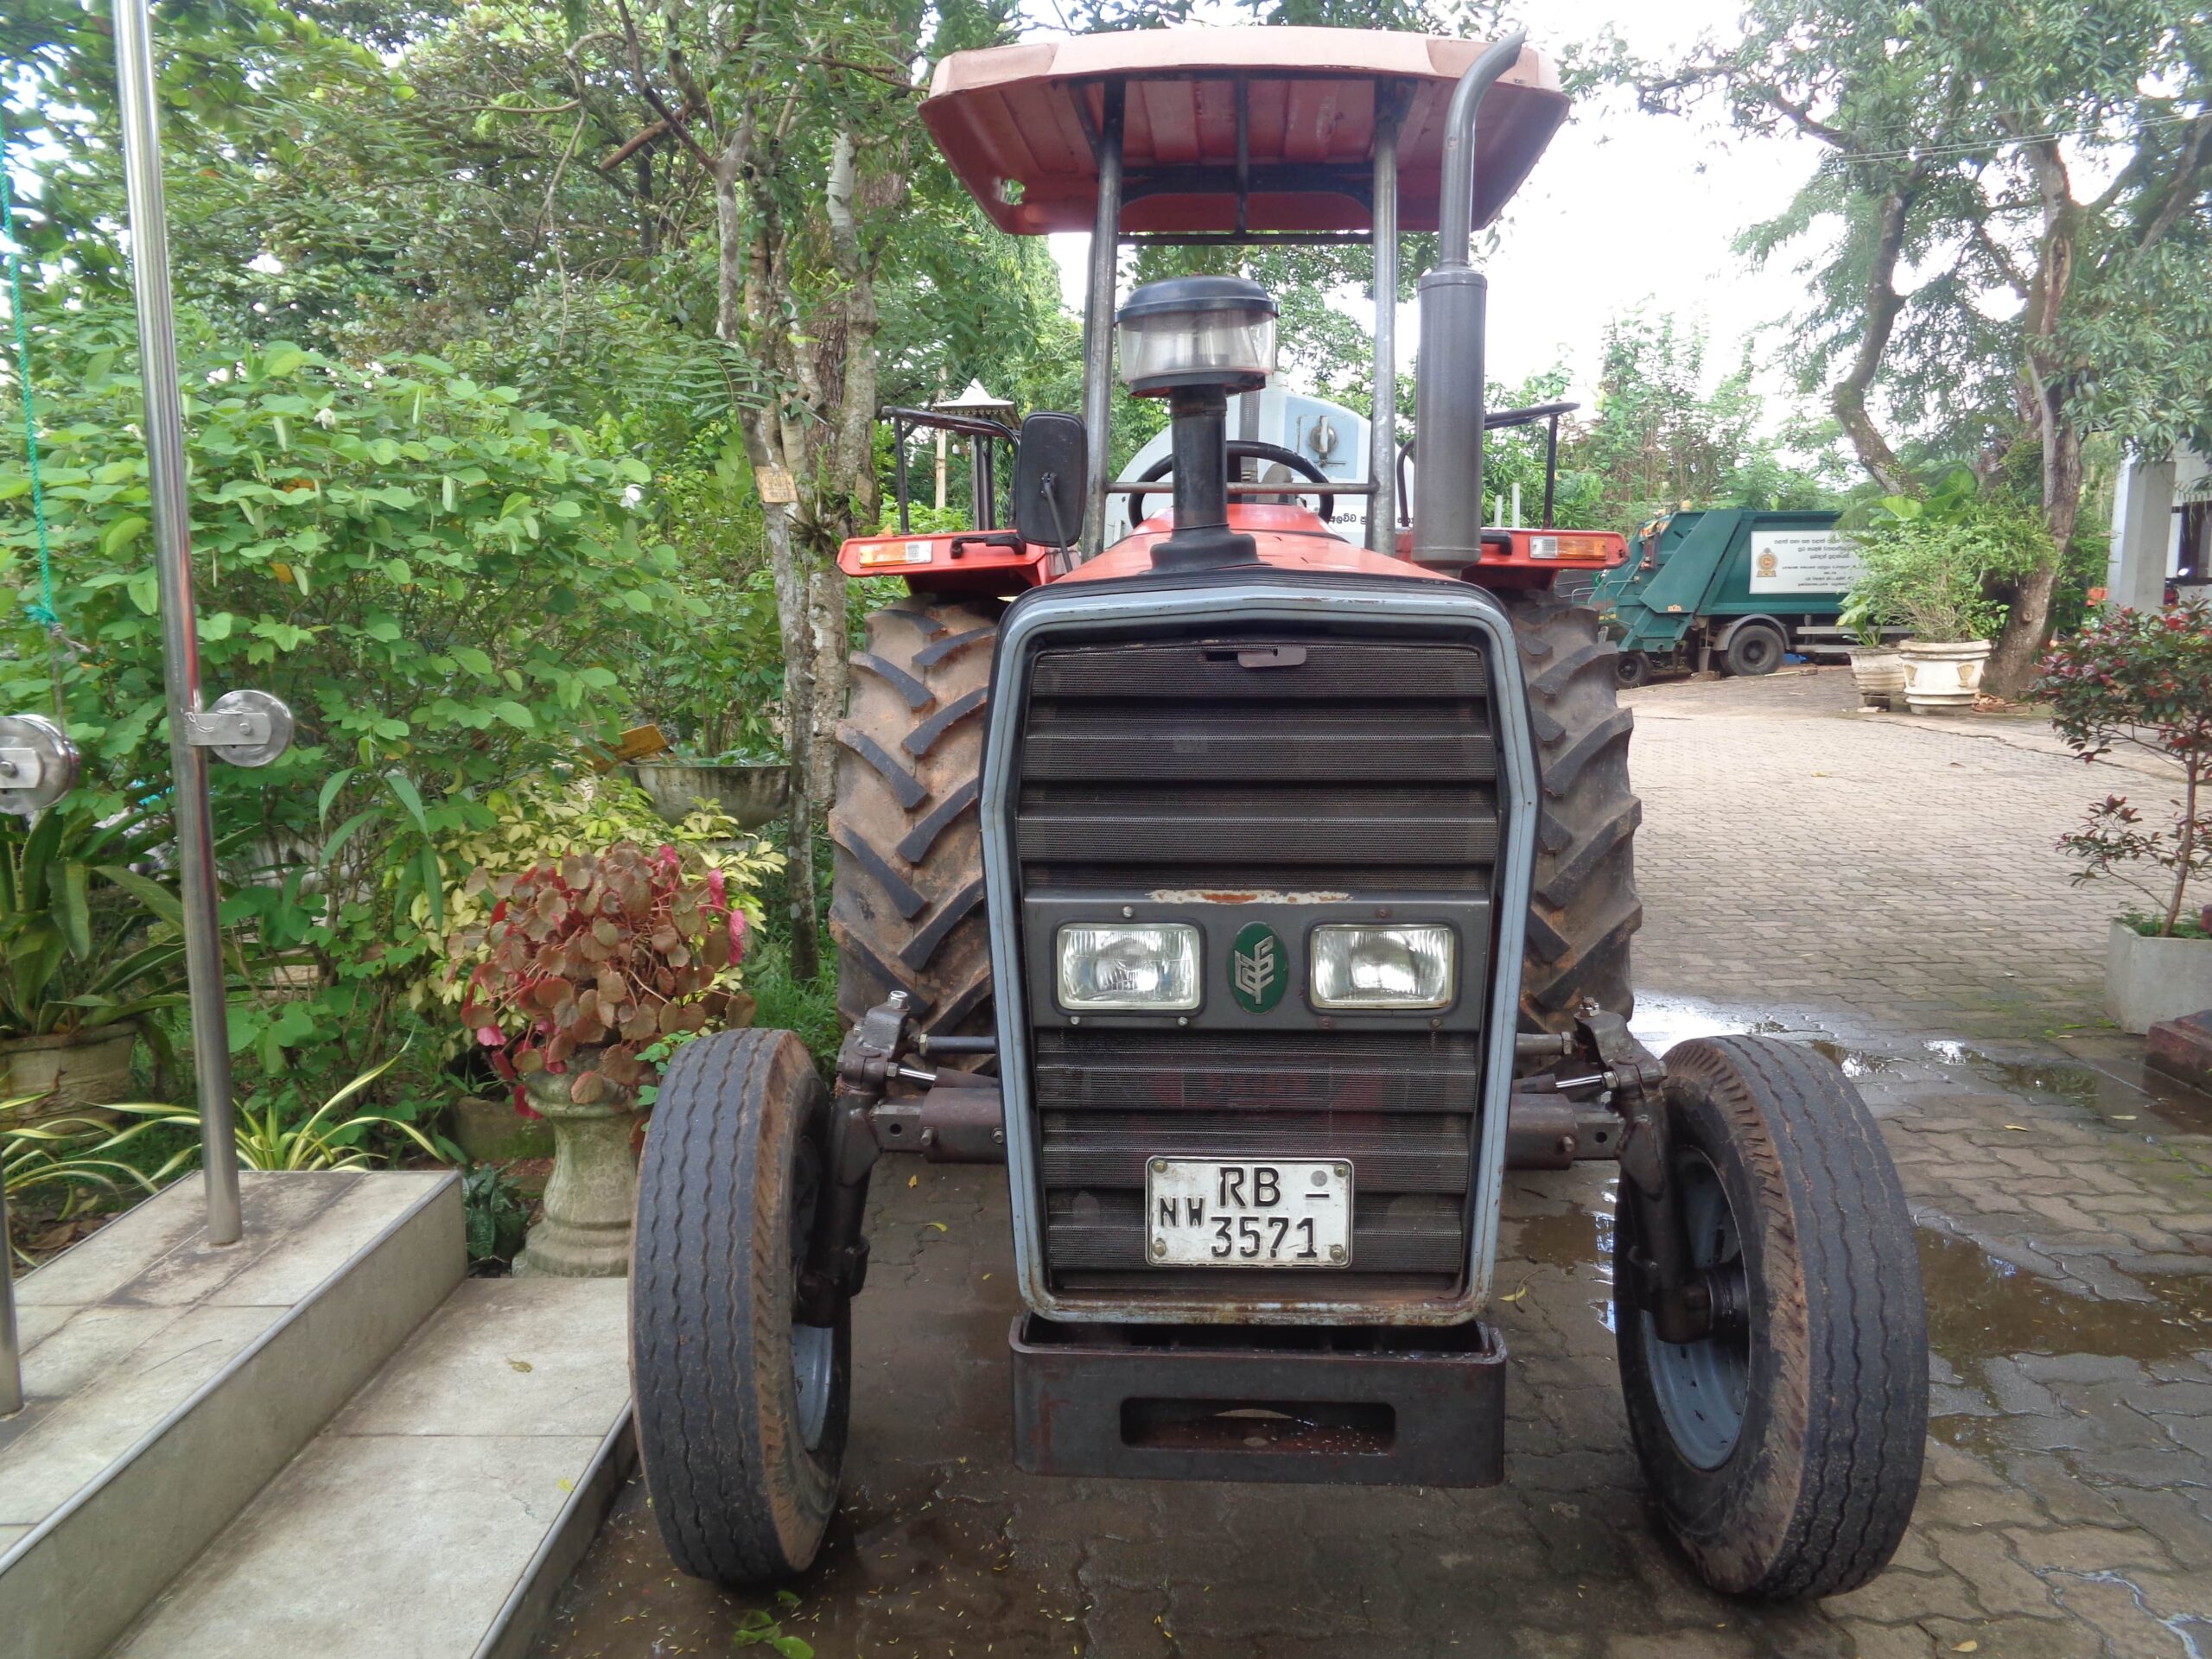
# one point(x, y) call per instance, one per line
point(1803, 562)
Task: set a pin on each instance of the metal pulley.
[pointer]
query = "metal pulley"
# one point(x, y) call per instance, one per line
point(247, 728)
point(38, 764)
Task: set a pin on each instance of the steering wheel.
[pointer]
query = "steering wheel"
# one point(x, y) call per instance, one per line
point(1241, 449)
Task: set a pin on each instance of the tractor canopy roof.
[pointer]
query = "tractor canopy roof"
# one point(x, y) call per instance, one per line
point(1292, 112)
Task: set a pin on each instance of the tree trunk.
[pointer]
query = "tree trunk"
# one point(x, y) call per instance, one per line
point(1848, 398)
point(2014, 665)
point(795, 612)
point(2042, 401)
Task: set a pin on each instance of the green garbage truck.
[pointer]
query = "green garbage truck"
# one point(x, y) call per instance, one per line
point(1734, 588)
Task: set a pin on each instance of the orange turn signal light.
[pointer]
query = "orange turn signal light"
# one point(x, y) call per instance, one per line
point(1568, 547)
point(895, 553)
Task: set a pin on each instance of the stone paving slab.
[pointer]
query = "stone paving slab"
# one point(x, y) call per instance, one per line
point(1883, 889)
point(408, 1526)
point(168, 1378)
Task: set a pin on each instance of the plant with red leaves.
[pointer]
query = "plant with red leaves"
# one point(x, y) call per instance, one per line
point(598, 958)
point(2142, 679)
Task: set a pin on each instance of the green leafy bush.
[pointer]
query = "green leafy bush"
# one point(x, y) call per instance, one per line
point(86, 940)
point(1930, 564)
point(497, 1215)
point(448, 587)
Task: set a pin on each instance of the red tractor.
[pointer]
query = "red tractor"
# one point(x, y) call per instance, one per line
point(1259, 897)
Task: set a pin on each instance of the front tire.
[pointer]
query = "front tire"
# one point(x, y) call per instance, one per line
point(741, 1411)
point(1783, 1450)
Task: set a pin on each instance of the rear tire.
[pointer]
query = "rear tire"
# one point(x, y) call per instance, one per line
point(741, 1412)
point(1632, 669)
point(1583, 909)
point(1784, 1455)
point(907, 911)
point(1753, 650)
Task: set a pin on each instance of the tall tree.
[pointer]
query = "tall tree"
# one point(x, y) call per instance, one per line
point(2002, 188)
point(796, 121)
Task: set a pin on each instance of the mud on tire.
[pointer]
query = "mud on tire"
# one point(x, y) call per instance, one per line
point(908, 910)
point(1583, 908)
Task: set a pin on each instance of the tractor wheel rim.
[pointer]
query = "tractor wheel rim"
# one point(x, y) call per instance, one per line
point(814, 1357)
point(1702, 1387)
point(814, 1347)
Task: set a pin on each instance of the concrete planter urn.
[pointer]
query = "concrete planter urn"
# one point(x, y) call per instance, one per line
point(1940, 676)
point(1879, 675)
point(72, 1070)
point(752, 795)
point(593, 1192)
point(2147, 980)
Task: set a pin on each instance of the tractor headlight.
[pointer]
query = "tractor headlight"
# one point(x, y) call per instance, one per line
point(1382, 967)
point(1191, 331)
point(1152, 969)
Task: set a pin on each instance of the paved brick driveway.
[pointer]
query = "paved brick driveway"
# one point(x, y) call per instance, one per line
point(1883, 888)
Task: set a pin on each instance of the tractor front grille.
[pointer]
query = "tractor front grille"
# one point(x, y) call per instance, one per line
point(1279, 771)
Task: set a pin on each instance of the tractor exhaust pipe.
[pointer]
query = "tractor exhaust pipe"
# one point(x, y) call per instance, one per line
point(1448, 390)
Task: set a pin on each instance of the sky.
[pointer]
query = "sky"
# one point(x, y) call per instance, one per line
point(1625, 210)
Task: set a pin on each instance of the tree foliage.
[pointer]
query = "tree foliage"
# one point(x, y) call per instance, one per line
point(2006, 235)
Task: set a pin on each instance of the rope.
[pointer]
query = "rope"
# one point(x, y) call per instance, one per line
point(43, 612)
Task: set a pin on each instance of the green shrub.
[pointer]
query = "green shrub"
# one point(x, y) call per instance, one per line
point(449, 589)
point(2141, 679)
point(1930, 564)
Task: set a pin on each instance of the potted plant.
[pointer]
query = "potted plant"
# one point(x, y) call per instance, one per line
point(2143, 678)
point(88, 947)
point(752, 793)
point(1876, 667)
point(593, 968)
point(1929, 565)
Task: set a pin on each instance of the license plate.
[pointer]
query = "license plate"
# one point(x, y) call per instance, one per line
point(1285, 1212)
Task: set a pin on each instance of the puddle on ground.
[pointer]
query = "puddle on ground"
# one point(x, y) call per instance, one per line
point(2125, 1093)
point(1662, 1021)
point(2121, 1090)
point(1981, 1307)
point(1577, 1239)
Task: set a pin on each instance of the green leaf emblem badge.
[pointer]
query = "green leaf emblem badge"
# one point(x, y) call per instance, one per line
point(1257, 972)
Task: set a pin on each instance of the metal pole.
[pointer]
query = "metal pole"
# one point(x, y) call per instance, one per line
point(1382, 427)
point(11, 1353)
point(203, 939)
point(1098, 324)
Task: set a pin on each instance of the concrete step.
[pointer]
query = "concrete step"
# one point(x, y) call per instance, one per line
point(439, 1512)
point(170, 1380)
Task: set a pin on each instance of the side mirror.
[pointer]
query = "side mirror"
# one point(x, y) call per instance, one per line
point(1049, 470)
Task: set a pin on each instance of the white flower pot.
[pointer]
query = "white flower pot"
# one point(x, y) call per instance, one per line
point(2149, 980)
point(1941, 677)
point(1879, 675)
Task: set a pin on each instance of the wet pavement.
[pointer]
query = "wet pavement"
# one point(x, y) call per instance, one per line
point(1914, 927)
